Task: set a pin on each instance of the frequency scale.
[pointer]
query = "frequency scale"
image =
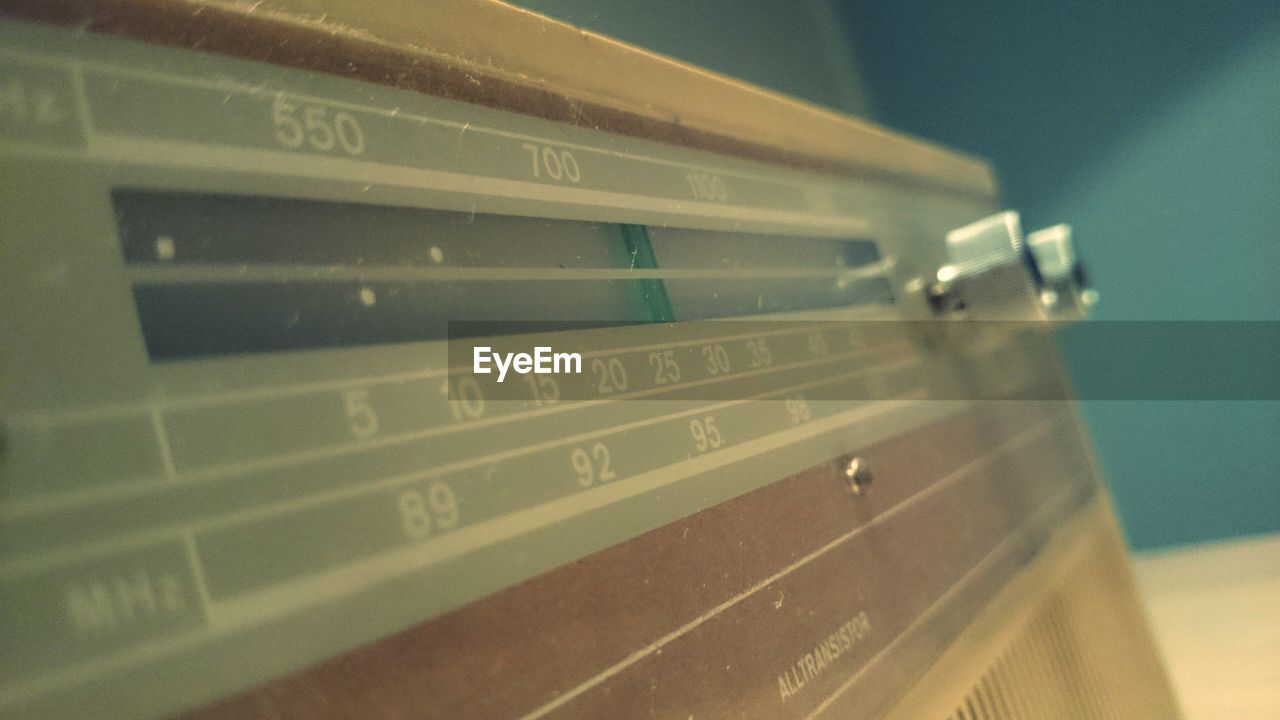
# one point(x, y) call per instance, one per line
point(245, 471)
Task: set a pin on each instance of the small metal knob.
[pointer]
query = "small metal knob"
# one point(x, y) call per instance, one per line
point(859, 474)
point(1065, 291)
point(993, 274)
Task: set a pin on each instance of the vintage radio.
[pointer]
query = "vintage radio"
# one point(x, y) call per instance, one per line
point(818, 461)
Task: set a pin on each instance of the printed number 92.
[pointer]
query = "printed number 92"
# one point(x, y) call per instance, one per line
point(592, 465)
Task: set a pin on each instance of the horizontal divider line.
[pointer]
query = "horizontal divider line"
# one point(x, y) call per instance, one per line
point(95, 412)
point(231, 86)
point(160, 273)
point(178, 153)
point(26, 690)
point(456, 543)
point(17, 509)
point(213, 472)
point(1061, 501)
point(157, 534)
point(946, 481)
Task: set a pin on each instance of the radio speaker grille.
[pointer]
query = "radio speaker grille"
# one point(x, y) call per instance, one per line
point(1084, 654)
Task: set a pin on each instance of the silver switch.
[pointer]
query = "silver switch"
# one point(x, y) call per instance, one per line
point(1065, 291)
point(992, 273)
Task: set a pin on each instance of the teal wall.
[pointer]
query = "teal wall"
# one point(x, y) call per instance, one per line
point(1152, 127)
point(1184, 222)
point(798, 47)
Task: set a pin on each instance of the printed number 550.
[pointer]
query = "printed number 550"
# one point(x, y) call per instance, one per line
point(315, 127)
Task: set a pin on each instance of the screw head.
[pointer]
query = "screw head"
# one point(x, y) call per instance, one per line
point(859, 474)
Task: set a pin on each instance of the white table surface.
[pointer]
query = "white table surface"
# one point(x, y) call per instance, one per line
point(1216, 613)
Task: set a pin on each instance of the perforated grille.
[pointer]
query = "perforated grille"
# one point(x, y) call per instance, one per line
point(1044, 673)
point(1084, 654)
